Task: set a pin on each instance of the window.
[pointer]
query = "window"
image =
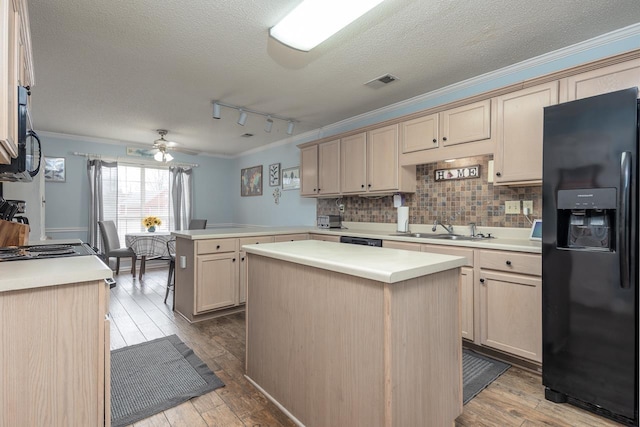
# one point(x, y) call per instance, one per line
point(139, 191)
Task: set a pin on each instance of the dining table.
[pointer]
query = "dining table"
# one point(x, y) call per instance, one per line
point(148, 245)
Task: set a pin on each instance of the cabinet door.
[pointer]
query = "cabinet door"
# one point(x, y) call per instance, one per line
point(354, 163)
point(325, 238)
point(518, 156)
point(467, 123)
point(242, 297)
point(420, 134)
point(382, 152)
point(10, 63)
point(466, 302)
point(511, 313)
point(329, 168)
point(217, 281)
point(290, 237)
point(309, 171)
point(603, 80)
point(406, 246)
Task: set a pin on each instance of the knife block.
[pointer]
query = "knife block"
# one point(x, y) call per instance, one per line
point(13, 233)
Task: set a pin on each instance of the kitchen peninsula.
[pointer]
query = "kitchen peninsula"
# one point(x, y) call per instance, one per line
point(352, 335)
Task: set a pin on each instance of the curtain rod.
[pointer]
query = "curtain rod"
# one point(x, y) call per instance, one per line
point(133, 161)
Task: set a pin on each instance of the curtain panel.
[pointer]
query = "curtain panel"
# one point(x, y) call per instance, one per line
point(95, 173)
point(181, 196)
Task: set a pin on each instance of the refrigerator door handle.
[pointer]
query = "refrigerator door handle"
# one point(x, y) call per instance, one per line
point(623, 219)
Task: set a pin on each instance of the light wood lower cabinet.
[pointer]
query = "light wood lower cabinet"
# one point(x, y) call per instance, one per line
point(511, 313)
point(54, 348)
point(325, 238)
point(407, 246)
point(466, 302)
point(217, 278)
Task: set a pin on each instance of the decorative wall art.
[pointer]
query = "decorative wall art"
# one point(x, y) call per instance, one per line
point(291, 178)
point(54, 170)
point(274, 175)
point(251, 181)
point(467, 172)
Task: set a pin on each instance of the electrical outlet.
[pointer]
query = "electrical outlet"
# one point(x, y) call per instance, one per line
point(512, 207)
point(527, 204)
point(341, 208)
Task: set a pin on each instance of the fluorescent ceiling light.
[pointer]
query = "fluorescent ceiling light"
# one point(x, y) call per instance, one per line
point(314, 21)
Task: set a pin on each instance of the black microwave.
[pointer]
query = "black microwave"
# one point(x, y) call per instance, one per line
point(27, 163)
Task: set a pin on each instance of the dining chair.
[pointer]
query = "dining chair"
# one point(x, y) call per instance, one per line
point(197, 224)
point(112, 246)
point(171, 280)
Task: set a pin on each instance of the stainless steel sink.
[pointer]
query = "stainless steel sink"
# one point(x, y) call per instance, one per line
point(443, 236)
point(455, 237)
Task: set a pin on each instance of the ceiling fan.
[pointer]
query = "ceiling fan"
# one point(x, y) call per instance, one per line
point(164, 146)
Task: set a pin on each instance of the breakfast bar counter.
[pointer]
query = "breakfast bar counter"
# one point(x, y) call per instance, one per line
point(354, 335)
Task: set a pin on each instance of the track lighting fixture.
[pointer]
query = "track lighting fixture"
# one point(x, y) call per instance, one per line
point(242, 120)
point(243, 117)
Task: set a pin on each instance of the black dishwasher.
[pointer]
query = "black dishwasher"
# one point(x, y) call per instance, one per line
point(361, 241)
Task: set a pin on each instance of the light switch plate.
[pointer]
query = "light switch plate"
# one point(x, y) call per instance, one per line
point(512, 207)
point(527, 204)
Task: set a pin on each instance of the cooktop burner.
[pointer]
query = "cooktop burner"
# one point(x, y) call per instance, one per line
point(17, 253)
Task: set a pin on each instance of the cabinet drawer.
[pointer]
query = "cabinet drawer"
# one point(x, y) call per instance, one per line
point(290, 237)
point(513, 262)
point(407, 246)
point(216, 246)
point(256, 240)
point(450, 250)
point(325, 238)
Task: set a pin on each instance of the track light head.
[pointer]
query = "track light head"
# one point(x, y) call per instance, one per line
point(216, 110)
point(243, 117)
point(268, 125)
point(290, 126)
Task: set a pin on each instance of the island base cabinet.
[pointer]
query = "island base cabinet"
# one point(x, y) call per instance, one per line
point(338, 350)
point(54, 356)
point(511, 313)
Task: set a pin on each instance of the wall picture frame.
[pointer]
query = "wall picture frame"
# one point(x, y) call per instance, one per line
point(274, 175)
point(54, 169)
point(291, 178)
point(251, 181)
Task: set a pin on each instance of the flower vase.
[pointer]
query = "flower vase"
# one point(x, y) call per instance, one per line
point(151, 229)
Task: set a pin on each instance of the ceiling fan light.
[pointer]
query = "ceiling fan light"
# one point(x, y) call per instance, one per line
point(158, 156)
point(314, 21)
point(216, 110)
point(243, 118)
point(268, 125)
point(167, 157)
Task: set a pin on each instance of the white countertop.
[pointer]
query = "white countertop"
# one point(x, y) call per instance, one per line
point(37, 273)
point(509, 239)
point(379, 264)
point(231, 232)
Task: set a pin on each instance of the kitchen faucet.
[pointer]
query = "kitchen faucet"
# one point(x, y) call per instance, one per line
point(436, 223)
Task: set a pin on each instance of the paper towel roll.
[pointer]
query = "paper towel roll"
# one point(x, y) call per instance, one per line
point(403, 219)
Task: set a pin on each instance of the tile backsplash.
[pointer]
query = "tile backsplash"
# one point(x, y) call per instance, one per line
point(455, 201)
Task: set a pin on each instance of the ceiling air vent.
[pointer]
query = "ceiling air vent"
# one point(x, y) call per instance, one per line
point(246, 135)
point(381, 81)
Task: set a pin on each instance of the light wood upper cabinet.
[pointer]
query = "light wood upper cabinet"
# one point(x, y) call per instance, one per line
point(320, 166)
point(600, 81)
point(354, 163)
point(457, 132)
point(518, 152)
point(370, 163)
point(15, 69)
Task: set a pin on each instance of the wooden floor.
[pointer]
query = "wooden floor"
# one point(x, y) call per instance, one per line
point(139, 314)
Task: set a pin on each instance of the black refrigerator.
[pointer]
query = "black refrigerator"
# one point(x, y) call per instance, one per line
point(590, 254)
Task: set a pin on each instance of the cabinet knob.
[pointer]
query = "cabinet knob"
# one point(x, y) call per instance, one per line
point(508, 262)
point(242, 259)
point(435, 140)
point(481, 280)
point(369, 185)
point(314, 190)
point(498, 174)
point(444, 138)
point(233, 260)
point(362, 186)
point(218, 247)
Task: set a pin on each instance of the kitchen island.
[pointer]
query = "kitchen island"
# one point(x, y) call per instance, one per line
point(353, 335)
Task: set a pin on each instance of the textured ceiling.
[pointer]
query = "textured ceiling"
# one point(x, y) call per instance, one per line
point(121, 69)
